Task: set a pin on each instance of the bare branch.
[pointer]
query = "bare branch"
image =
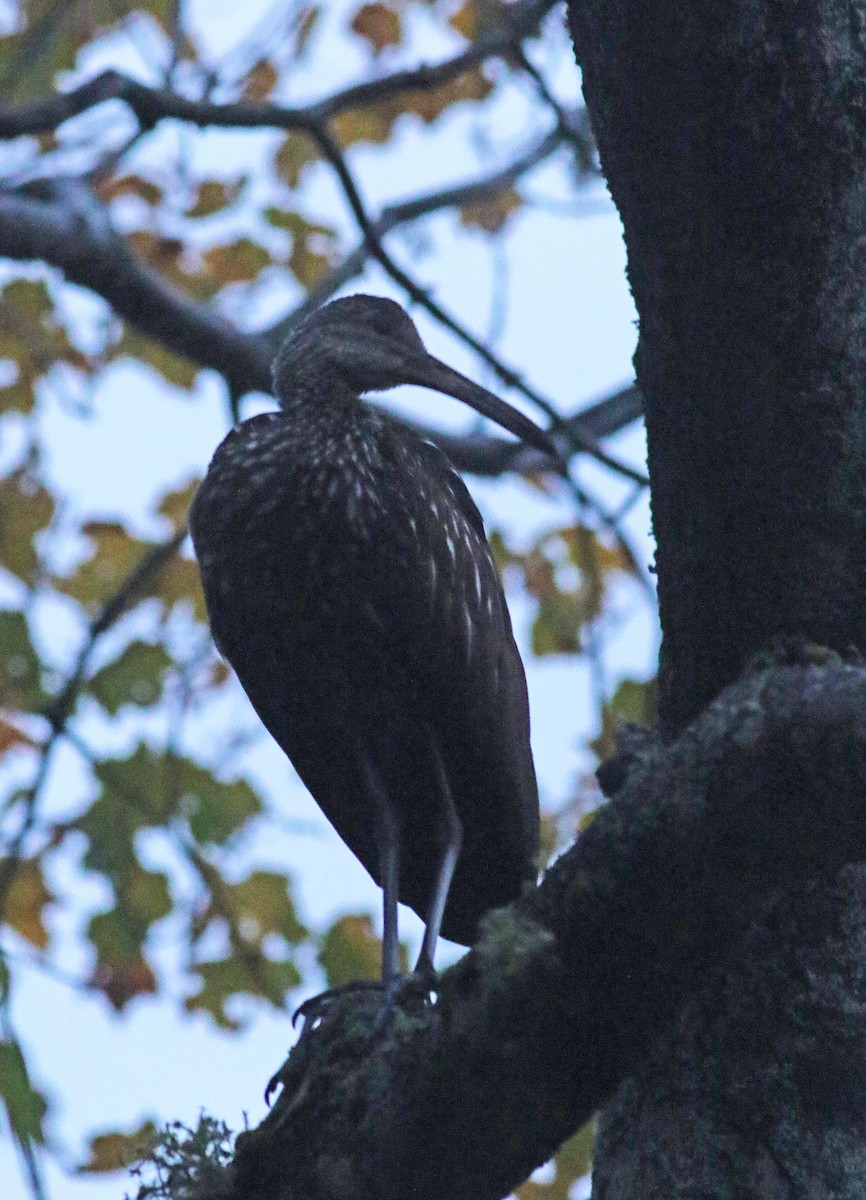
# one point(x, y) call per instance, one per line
point(152, 104)
point(476, 191)
point(68, 228)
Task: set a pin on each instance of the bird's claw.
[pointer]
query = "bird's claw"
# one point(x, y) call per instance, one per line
point(310, 1009)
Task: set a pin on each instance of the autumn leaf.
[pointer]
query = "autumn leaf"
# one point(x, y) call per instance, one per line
point(182, 372)
point(33, 339)
point(26, 507)
point(490, 215)
point(252, 975)
point(11, 736)
point(237, 262)
point(352, 950)
point(379, 25)
point(113, 555)
point(213, 195)
point(175, 504)
point(372, 123)
point(264, 904)
point(135, 677)
point(117, 1151)
point(296, 152)
point(26, 900)
point(130, 185)
point(260, 81)
point(635, 701)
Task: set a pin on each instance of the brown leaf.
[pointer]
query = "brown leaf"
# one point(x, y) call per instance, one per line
point(122, 982)
point(491, 215)
point(306, 24)
point(130, 185)
point(213, 195)
point(260, 81)
point(26, 900)
point(11, 736)
point(379, 25)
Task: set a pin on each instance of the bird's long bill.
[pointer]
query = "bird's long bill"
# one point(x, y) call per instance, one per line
point(432, 373)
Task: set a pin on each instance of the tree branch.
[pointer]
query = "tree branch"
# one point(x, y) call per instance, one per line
point(153, 104)
point(565, 991)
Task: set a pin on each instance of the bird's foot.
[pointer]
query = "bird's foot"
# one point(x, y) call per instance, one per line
point(311, 1010)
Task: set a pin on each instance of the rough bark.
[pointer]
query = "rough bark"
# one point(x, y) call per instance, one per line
point(732, 139)
point(564, 995)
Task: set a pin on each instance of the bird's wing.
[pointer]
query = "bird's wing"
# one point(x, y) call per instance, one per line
point(450, 625)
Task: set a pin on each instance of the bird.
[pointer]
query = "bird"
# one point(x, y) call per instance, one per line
point(350, 584)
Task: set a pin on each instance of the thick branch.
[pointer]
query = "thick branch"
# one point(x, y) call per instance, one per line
point(564, 993)
point(732, 139)
point(67, 228)
point(70, 230)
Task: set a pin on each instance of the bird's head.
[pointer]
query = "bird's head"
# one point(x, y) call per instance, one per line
point(366, 344)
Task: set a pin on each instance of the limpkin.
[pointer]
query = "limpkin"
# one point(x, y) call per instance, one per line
point(350, 584)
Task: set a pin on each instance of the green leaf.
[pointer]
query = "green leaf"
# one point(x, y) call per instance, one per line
point(214, 809)
point(250, 974)
point(136, 677)
point(264, 905)
point(634, 700)
point(26, 508)
point(20, 666)
point(25, 1106)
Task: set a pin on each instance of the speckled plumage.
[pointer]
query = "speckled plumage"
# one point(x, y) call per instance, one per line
point(350, 585)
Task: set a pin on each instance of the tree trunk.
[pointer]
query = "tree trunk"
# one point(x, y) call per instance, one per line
point(732, 137)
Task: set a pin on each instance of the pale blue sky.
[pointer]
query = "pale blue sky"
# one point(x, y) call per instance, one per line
point(570, 330)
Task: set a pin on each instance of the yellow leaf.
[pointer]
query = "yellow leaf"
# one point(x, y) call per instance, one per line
point(491, 215)
point(175, 504)
point(236, 262)
point(181, 372)
point(113, 555)
point(379, 25)
point(26, 901)
point(368, 124)
point(116, 1151)
point(297, 151)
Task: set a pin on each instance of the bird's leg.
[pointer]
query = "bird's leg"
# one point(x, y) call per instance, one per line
point(452, 841)
point(388, 836)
